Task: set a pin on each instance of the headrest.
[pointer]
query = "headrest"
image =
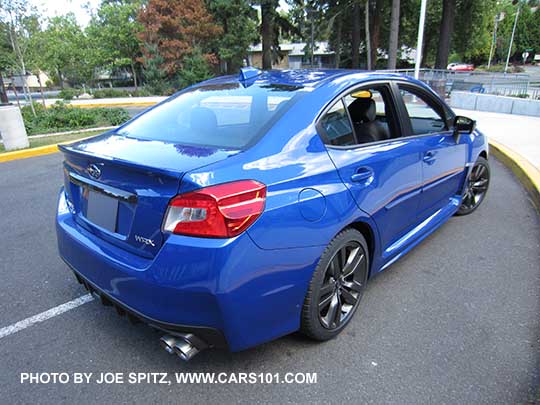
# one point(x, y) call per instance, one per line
point(363, 110)
point(203, 120)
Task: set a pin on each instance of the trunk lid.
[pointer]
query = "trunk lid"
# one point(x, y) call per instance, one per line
point(118, 188)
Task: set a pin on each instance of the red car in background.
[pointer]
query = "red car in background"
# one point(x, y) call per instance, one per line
point(460, 67)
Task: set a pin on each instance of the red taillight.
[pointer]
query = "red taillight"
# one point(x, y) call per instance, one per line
point(221, 211)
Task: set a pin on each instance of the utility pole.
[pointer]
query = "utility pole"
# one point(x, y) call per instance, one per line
point(420, 42)
point(368, 36)
point(512, 38)
point(312, 40)
point(494, 39)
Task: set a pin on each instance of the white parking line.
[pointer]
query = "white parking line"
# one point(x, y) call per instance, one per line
point(60, 309)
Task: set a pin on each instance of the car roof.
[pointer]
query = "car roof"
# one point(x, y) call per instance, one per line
point(307, 77)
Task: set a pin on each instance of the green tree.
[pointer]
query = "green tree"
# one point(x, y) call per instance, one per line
point(20, 23)
point(238, 20)
point(115, 31)
point(195, 69)
point(66, 52)
point(473, 28)
point(274, 25)
point(155, 76)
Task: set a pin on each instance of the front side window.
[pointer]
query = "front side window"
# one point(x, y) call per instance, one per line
point(424, 118)
point(363, 116)
point(222, 115)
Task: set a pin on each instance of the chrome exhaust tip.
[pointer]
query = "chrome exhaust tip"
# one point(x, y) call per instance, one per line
point(168, 342)
point(185, 350)
point(184, 345)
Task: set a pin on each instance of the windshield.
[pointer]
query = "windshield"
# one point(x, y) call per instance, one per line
point(225, 115)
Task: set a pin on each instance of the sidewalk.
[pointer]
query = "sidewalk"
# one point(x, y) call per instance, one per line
point(517, 132)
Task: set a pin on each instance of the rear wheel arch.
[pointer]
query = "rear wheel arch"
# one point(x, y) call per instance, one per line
point(368, 234)
point(483, 154)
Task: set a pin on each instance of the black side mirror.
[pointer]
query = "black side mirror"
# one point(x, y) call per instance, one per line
point(463, 124)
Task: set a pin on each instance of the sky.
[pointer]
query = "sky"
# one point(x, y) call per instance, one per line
point(52, 8)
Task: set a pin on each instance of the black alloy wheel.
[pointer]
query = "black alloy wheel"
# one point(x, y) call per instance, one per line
point(337, 286)
point(476, 187)
point(343, 285)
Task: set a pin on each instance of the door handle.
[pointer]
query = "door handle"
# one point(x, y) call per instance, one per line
point(362, 175)
point(429, 157)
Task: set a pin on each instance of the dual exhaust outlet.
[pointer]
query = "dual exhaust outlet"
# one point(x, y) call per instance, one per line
point(184, 345)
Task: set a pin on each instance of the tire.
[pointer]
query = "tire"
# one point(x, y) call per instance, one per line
point(476, 187)
point(337, 285)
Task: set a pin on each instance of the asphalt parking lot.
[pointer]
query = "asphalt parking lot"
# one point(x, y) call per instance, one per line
point(455, 321)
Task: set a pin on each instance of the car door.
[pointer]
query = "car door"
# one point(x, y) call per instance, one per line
point(443, 159)
point(384, 176)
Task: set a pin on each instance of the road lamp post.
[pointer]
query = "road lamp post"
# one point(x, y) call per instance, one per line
point(420, 42)
point(513, 33)
point(498, 18)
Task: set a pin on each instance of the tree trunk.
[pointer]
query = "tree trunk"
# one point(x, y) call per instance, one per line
point(16, 94)
point(19, 56)
point(3, 94)
point(445, 34)
point(339, 30)
point(267, 28)
point(134, 74)
point(60, 78)
point(394, 34)
point(27, 90)
point(355, 40)
point(375, 29)
point(41, 90)
point(368, 36)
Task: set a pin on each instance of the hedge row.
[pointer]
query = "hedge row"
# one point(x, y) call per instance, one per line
point(61, 117)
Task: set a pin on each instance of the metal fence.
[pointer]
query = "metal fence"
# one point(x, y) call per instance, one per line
point(509, 84)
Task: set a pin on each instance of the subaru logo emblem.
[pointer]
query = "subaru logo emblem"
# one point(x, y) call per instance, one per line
point(94, 171)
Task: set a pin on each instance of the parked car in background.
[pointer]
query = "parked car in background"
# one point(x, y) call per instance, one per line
point(460, 67)
point(246, 208)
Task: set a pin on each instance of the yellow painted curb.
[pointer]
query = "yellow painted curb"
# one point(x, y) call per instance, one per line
point(33, 152)
point(28, 153)
point(524, 170)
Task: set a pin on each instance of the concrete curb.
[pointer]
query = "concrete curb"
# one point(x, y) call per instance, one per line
point(527, 174)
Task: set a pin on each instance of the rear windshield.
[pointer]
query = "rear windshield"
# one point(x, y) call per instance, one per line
point(226, 115)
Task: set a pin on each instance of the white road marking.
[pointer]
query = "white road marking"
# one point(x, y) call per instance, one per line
point(51, 313)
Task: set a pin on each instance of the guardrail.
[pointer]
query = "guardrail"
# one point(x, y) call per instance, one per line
point(502, 84)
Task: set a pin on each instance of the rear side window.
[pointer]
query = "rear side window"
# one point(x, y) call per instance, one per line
point(337, 126)
point(225, 115)
point(425, 119)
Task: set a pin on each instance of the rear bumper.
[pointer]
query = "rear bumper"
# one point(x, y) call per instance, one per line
point(230, 290)
point(213, 337)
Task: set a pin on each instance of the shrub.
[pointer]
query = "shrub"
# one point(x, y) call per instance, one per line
point(61, 117)
point(142, 92)
point(110, 93)
point(69, 93)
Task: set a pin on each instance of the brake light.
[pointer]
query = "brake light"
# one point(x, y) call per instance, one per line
point(221, 211)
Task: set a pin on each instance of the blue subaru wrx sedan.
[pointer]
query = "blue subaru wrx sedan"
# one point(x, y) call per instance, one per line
point(245, 208)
